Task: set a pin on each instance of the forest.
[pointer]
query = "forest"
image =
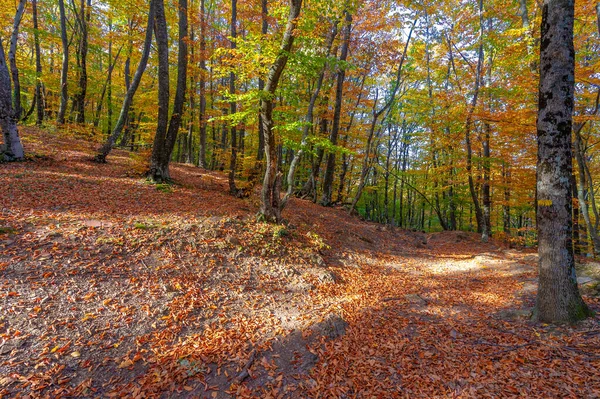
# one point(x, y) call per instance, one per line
point(299, 198)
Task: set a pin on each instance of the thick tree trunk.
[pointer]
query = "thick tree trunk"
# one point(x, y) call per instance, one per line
point(163, 146)
point(12, 59)
point(12, 149)
point(326, 199)
point(158, 170)
point(64, 92)
point(270, 196)
point(123, 115)
point(558, 298)
point(39, 98)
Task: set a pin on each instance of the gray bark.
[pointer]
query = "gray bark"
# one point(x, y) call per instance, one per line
point(558, 298)
point(12, 59)
point(270, 206)
point(326, 199)
point(309, 118)
point(203, 73)
point(12, 149)
point(64, 92)
point(123, 115)
point(39, 98)
point(164, 141)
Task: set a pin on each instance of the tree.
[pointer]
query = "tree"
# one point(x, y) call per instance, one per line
point(123, 115)
point(164, 140)
point(12, 149)
point(64, 91)
point(271, 204)
point(558, 298)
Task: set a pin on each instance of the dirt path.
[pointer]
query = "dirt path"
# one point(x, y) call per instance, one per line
point(110, 287)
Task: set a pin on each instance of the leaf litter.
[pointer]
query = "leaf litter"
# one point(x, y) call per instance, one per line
point(112, 288)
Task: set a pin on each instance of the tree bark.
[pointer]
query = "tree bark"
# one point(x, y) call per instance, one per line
point(39, 98)
point(164, 141)
point(123, 115)
point(326, 199)
point(203, 73)
point(83, 17)
point(270, 196)
point(233, 190)
point(12, 149)
point(12, 59)
point(558, 298)
point(64, 92)
point(309, 117)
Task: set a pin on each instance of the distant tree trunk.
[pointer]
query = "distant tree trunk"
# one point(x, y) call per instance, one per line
point(107, 87)
point(309, 117)
point(39, 98)
point(270, 194)
point(12, 150)
point(366, 165)
point(164, 143)
point(233, 190)
point(203, 73)
point(83, 18)
point(261, 85)
point(523, 13)
point(326, 199)
point(486, 228)
point(558, 298)
point(123, 115)
point(469, 123)
point(506, 206)
point(64, 92)
point(12, 59)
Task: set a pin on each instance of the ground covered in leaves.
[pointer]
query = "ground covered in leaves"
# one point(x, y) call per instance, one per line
point(111, 287)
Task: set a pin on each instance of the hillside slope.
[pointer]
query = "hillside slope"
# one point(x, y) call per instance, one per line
point(111, 287)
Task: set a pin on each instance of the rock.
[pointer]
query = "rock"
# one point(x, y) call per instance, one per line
point(333, 326)
point(233, 240)
point(317, 259)
point(584, 280)
point(416, 299)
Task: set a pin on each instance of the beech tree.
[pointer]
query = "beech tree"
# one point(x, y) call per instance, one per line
point(558, 298)
point(12, 150)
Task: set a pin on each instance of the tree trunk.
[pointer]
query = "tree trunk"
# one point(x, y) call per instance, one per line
point(270, 207)
point(123, 115)
point(83, 19)
point(12, 59)
point(12, 149)
point(64, 92)
point(558, 298)
point(309, 117)
point(326, 199)
point(469, 123)
point(165, 141)
point(203, 73)
point(261, 85)
point(39, 98)
point(233, 190)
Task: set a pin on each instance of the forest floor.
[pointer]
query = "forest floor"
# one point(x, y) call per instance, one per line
point(112, 287)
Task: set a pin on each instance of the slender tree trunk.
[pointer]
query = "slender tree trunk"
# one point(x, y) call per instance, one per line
point(270, 196)
point(558, 298)
point(309, 117)
point(469, 123)
point(506, 206)
point(107, 87)
point(261, 85)
point(203, 74)
point(12, 59)
point(83, 19)
point(12, 149)
point(64, 92)
point(582, 193)
point(233, 190)
point(326, 199)
point(39, 99)
point(165, 141)
point(123, 115)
